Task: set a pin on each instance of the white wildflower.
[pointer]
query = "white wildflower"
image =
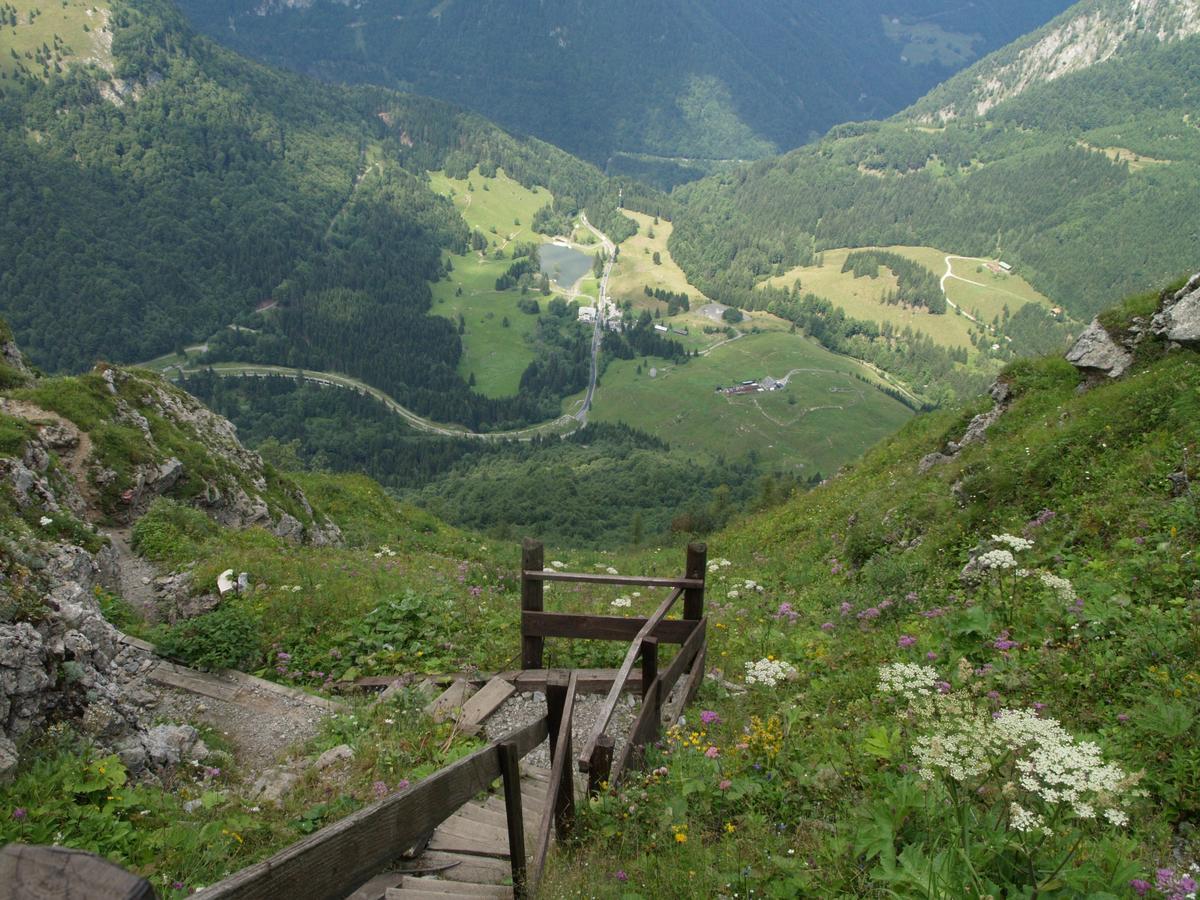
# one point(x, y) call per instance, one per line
point(611, 571)
point(46, 520)
point(622, 602)
point(734, 594)
point(1060, 586)
point(1016, 543)
point(558, 564)
point(769, 672)
point(1026, 820)
point(997, 559)
point(1116, 817)
point(907, 680)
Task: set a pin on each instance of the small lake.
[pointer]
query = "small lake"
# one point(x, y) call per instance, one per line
point(564, 265)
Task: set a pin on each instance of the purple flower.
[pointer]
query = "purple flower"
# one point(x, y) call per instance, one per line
point(1140, 887)
point(20, 814)
point(943, 687)
point(475, 590)
point(402, 784)
point(871, 612)
point(827, 626)
point(934, 613)
point(931, 656)
point(886, 603)
point(786, 612)
point(1122, 718)
point(709, 717)
point(1003, 643)
point(994, 696)
point(906, 641)
point(283, 657)
point(379, 789)
point(845, 608)
point(622, 877)
point(177, 885)
point(1038, 707)
point(911, 596)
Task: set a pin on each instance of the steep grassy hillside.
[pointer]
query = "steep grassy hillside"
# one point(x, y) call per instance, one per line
point(1048, 568)
point(661, 89)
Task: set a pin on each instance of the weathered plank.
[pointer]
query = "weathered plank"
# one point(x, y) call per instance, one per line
point(690, 687)
point(532, 558)
point(510, 766)
point(441, 887)
point(604, 628)
point(334, 861)
point(560, 805)
point(455, 843)
point(625, 580)
point(450, 701)
point(591, 681)
point(693, 598)
point(476, 710)
point(610, 703)
point(465, 868)
point(377, 887)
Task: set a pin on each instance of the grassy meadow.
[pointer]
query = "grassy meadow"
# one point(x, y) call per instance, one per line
point(861, 298)
point(495, 353)
point(825, 417)
point(71, 30)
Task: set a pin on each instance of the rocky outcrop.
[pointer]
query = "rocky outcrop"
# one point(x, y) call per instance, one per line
point(977, 428)
point(67, 663)
point(1097, 354)
point(1179, 319)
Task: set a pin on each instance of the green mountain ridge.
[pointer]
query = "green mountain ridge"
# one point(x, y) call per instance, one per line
point(1086, 183)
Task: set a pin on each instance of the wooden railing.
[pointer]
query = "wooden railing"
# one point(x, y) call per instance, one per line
point(333, 862)
point(644, 635)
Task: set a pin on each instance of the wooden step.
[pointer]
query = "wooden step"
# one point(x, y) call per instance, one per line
point(474, 869)
point(377, 887)
point(433, 885)
point(433, 889)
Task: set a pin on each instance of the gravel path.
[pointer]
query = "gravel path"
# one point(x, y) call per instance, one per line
point(521, 709)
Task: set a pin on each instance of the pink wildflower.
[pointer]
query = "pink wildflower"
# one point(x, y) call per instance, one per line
point(712, 752)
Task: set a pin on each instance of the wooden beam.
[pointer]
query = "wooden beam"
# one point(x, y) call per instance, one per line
point(560, 806)
point(697, 562)
point(683, 659)
point(532, 574)
point(614, 694)
point(532, 558)
point(331, 863)
point(600, 764)
point(591, 681)
point(649, 664)
point(511, 769)
point(605, 628)
point(695, 677)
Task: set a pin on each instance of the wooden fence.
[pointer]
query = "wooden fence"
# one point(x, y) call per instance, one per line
point(644, 634)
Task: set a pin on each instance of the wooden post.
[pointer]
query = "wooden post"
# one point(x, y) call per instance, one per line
point(532, 560)
point(559, 697)
point(649, 664)
point(510, 768)
point(697, 567)
point(601, 764)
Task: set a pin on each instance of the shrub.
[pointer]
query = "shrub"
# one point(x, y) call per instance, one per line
point(227, 638)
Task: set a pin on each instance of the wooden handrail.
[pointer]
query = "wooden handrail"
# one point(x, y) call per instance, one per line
point(560, 779)
point(645, 727)
point(606, 628)
point(331, 863)
point(625, 580)
point(614, 694)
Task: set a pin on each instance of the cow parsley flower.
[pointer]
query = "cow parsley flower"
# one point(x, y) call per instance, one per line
point(622, 602)
point(907, 680)
point(769, 672)
point(1060, 586)
point(997, 559)
point(1017, 544)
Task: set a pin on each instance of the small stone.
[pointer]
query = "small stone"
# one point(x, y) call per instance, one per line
point(334, 755)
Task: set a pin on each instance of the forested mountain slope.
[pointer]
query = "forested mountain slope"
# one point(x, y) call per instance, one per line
point(665, 78)
point(155, 194)
point(1088, 182)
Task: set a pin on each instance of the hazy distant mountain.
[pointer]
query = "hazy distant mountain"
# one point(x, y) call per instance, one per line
point(638, 79)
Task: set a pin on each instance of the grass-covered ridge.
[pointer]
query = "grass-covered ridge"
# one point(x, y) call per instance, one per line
point(813, 786)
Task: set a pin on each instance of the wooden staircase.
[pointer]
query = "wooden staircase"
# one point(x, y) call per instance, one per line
point(468, 855)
